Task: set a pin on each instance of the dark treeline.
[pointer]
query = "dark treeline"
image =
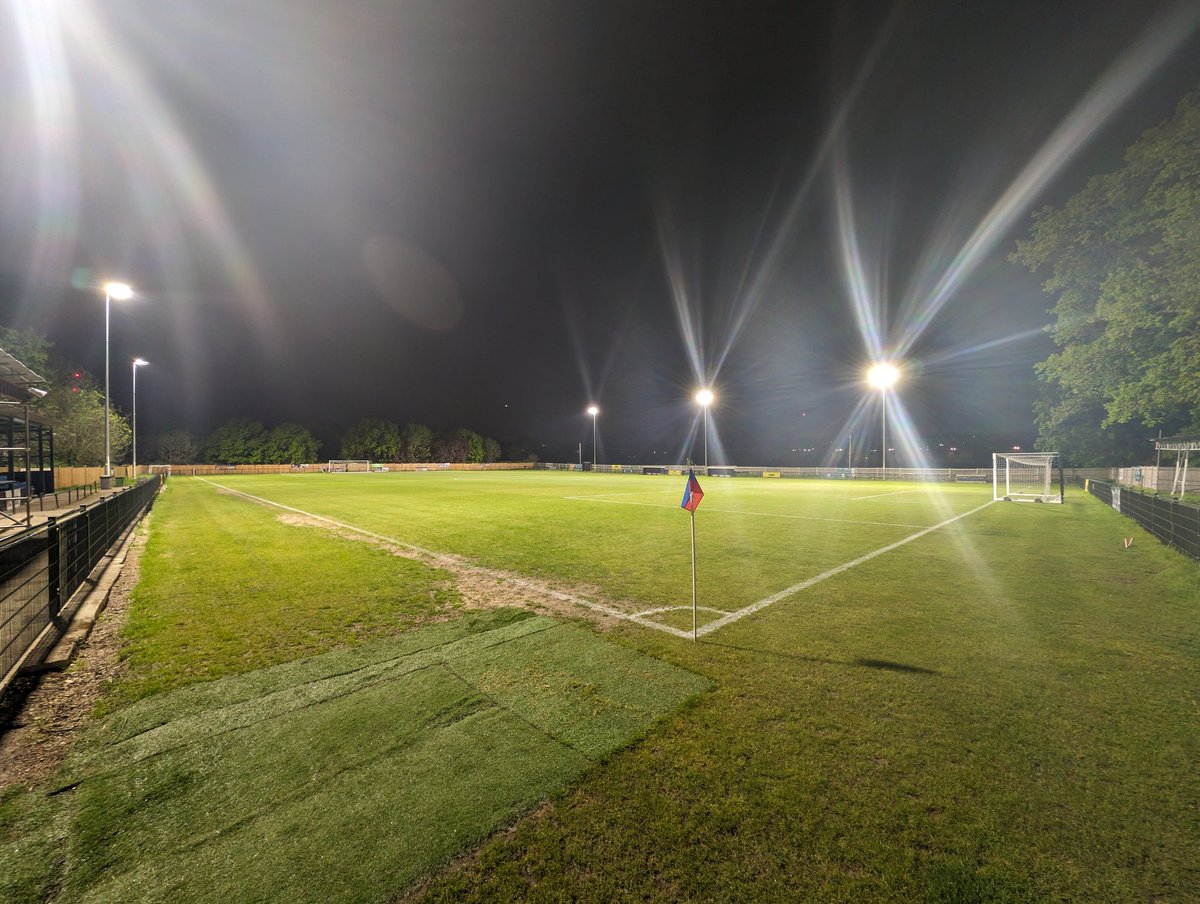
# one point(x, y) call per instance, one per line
point(242, 441)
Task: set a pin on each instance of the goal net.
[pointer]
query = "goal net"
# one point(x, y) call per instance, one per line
point(1027, 477)
point(345, 465)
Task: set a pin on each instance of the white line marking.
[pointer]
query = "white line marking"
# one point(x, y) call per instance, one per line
point(879, 495)
point(458, 562)
point(662, 609)
point(741, 512)
point(846, 566)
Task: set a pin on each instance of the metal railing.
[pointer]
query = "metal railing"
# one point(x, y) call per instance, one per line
point(43, 566)
point(1175, 523)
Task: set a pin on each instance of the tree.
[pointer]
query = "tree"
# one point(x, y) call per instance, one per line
point(240, 441)
point(491, 449)
point(372, 439)
point(75, 405)
point(290, 444)
point(473, 443)
point(29, 347)
point(416, 443)
point(176, 447)
point(450, 446)
point(1124, 261)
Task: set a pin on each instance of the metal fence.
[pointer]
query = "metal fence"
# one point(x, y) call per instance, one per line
point(1175, 523)
point(42, 567)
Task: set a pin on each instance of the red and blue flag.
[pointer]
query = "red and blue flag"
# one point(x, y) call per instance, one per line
point(692, 494)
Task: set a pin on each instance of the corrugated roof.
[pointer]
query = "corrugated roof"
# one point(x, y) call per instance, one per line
point(14, 372)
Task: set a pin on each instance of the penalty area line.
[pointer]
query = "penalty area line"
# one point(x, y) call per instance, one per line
point(845, 566)
point(450, 560)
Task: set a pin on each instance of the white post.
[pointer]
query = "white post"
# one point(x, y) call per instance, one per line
point(134, 422)
point(107, 454)
point(995, 479)
point(693, 575)
point(883, 395)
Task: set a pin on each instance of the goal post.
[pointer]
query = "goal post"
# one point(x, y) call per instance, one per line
point(347, 466)
point(1027, 477)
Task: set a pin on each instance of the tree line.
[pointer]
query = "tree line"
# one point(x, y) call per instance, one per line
point(245, 441)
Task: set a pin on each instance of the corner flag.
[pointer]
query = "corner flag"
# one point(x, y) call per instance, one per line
point(692, 494)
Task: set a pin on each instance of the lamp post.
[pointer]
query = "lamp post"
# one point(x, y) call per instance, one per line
point(119, 291)
point(704, 398)
point(137, 362)
point(593, 411)
point(883, 377)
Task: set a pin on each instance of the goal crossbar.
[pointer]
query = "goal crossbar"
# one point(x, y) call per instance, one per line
point(1027, 477)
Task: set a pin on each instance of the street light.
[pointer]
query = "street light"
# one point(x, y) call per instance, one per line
point(883, 377)
point(593, 411)
point(137, 362)
point(119, 291)
point(704, 398)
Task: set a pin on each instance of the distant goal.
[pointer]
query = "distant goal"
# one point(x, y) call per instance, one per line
point(1027, 477)
point(346, 466)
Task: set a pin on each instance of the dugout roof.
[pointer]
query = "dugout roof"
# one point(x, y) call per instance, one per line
point(16, 379)
point(1181, 442)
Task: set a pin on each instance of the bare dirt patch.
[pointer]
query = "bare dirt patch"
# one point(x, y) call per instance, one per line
point(481, 588)
point(58, 705)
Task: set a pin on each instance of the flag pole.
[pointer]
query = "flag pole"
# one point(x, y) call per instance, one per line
point(693, 575)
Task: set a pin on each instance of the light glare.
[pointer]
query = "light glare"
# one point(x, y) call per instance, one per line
point(704, 397)
point(593, 410)
point(118, 291)
point(883, 376)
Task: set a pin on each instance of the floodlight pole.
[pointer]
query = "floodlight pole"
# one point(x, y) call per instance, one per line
point(120, 291)
point(107, 475)
point(593, 411)
point(883, 396)
point(137, 362)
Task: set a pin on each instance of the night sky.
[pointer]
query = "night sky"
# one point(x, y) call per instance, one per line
point(493, 214)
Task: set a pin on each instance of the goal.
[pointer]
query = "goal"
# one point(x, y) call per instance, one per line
point(1027, 477)
point(345, 465)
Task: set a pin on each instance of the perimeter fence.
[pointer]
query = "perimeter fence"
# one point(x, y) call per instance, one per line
point(43, 566)
point(1176, 524)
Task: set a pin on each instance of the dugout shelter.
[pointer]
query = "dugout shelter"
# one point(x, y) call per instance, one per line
point(26, 441)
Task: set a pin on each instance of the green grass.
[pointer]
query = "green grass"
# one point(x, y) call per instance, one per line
point(227, 587)
point(1002, 710)
point(346, 776)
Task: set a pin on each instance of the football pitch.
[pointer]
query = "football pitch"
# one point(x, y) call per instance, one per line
point(625, 538)
point(341, 687)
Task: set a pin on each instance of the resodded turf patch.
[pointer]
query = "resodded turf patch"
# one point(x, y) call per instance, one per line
point(349, 776)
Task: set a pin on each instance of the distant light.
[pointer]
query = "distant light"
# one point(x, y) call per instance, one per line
point(118, 290)
point(593, 411)
point(883, 376)
point(1016, 448)
point(704, 397)
point(140, 362)
point(803, 414)
point(954, 448)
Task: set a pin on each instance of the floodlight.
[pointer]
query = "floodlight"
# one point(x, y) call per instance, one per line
point(704, 397)
point(593, 411)
point(883, 376)
point(118, 290)
point(140, 362)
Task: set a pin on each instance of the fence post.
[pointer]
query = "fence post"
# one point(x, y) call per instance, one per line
point(54, 566)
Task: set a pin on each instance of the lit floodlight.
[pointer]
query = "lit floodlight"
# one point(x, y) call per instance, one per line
point(883, 376)
point(704, 397)
point(140, 362)
point(593, 410)
point(118, 290)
